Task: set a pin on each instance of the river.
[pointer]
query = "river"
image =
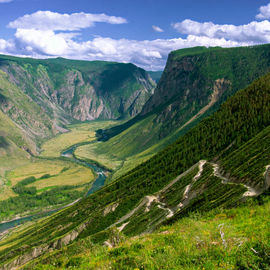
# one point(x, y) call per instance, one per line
point(98, 183)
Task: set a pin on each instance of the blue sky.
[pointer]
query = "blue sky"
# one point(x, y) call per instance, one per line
point(142, 32)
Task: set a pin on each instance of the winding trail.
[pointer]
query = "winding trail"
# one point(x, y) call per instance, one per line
point(195, 178)
point(251, 192)
point(149, 199)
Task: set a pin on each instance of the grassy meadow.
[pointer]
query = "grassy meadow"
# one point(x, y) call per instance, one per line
point(31, 183)
point(78, 133)
point(51, 173)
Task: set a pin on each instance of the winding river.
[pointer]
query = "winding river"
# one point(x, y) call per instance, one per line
point(98, 183)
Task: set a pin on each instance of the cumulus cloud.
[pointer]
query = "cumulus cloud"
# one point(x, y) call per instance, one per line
point(149, 54)
point(157, 29)
point(5, 1)
point(46, 34)
point(48, 20)
point(257, 32)
point(264, 12)
point(44, 42)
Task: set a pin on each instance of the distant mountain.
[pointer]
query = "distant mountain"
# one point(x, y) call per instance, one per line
point(222, 161)
point(155, 75)
point(41, 96)
point(193, 85)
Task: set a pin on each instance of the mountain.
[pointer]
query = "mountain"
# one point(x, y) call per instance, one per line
point(155, 75)
point(219, 163)
point(222, 238)
point(193, 85)
point(41, 96)
point(82, 90)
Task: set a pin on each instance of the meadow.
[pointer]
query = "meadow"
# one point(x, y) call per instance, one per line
point(30, 183)
point(78, 133)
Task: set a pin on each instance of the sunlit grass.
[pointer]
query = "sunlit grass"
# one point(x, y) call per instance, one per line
point(59, 172)
point(89, 152)
point(79, 133)
point(220, 239)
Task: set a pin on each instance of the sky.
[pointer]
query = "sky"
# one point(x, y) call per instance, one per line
point(142, 32)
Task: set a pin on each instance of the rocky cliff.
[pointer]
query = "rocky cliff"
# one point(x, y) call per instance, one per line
point(42, 96)
point(193, 85)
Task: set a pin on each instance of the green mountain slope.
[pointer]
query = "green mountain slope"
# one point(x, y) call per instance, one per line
point(219, 239)
point(187, 176)
point(69, 90)
point(26, 122)
point(193, 85)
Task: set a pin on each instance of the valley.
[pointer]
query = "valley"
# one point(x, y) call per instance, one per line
point(194, 154)
point(51, 171)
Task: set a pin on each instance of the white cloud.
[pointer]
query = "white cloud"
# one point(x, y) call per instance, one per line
point(149, 54)
point(264, 12)
point(7, 47)
point(157, 29)
point(254, 32)
point(47, 34)
point(5, 1)
point(47, 20)
point(44, 42)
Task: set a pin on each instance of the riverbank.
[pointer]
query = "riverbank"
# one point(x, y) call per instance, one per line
point(99, 172)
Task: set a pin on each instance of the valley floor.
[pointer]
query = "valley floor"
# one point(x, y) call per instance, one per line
point(29, 184)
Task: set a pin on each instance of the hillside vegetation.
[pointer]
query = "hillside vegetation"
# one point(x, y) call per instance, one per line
point(69, 90)
point(186, 177)
point(219, 239)
point(195, 82)
point(39, 99)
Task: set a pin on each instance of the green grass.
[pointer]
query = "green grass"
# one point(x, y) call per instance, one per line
point(73, 175)
point(56, 182)
point(78, 133)
point(194, 242)
point(118, 153)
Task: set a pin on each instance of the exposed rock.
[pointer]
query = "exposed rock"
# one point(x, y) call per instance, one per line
point(110, 208)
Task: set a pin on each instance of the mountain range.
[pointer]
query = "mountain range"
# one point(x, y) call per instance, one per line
point(202, 137)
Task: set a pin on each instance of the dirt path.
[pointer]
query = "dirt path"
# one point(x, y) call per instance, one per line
point(250, 191)
point(185, 199)
point(267, 176)
point(155, 198)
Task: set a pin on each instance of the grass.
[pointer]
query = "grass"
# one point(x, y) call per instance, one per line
point(61, 173)
point(67, 178)
point(122, 152)
point(79, 133)
point(194, 242)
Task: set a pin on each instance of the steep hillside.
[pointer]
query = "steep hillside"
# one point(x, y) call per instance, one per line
point(194, 84)
point(26, 123)
point(219, 239)
point(69, 90)
point(193, 174)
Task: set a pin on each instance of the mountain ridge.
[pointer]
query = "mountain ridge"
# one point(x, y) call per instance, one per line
point(189, 80)
point(239, 127)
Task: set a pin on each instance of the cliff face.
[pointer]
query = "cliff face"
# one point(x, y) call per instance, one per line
point(196, 81)
point(67, 90)
point(193, 85)
point(41, 96)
